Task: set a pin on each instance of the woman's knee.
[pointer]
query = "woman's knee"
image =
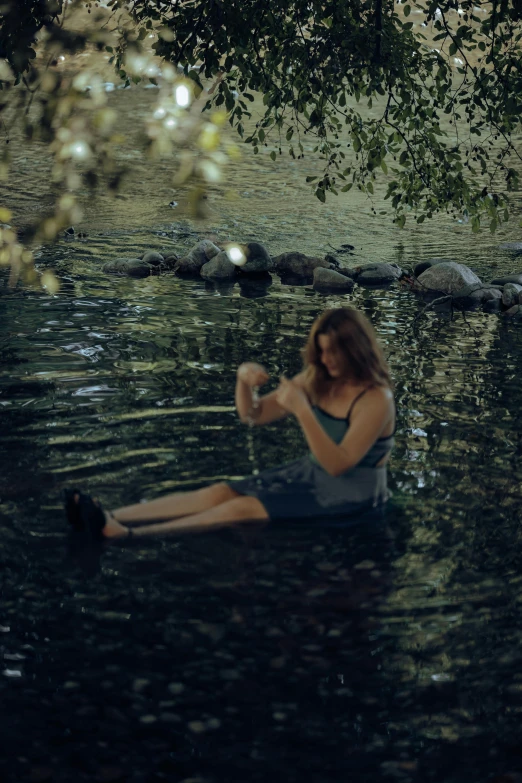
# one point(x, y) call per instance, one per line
point(248, 507)
point(221, 492)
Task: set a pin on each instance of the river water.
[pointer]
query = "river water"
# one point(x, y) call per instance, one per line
point(291, 652)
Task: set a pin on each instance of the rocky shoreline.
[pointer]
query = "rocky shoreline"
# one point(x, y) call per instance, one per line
point(250, 262)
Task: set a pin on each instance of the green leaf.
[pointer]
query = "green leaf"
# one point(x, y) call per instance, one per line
point(273, 155)
point(407, 10)
point(384, 167)
point(320, 195)
point(346, 188)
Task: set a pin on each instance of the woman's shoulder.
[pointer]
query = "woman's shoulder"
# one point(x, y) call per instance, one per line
point(370, 399)
point(377, 394)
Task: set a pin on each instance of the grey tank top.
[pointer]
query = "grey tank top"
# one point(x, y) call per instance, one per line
point(337, 428)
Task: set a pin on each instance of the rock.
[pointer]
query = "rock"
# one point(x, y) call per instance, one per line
point(187, 267)
point(298, 265)
point(445, 278)
point(515, 310)
point(133, 267)
point(329, 280)
point(476, 294)
point(347, 272)
point(258, 259)
point(197, 256)
point(204, 251)
point(377, 274)
point(492, 305)
point(332, 260)
point(510, 294)
point(219, 268)
point(423, 265)
point(153, 258)
point(516, 278)
point(170, 261)
point(511, 247)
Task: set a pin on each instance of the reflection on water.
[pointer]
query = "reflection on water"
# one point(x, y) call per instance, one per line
point(384, 652)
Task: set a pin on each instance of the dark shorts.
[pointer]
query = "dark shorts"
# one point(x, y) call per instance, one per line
point(302, 490)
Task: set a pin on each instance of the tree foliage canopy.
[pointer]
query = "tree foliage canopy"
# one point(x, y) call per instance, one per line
point(432, 106)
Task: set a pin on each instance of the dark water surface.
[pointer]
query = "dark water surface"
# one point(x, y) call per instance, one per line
point(283, 653)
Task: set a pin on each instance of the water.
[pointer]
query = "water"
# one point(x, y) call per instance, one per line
point(239, 654)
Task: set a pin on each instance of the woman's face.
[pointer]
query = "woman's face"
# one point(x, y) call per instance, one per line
point(330, 356)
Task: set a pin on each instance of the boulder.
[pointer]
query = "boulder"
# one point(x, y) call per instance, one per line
point(198, 255)
point(492, 305)
point(475, 295)
point(347, 272)
point(377, 274)
point(187, 267)
point(515, 310)
point(219, 268)
point(170, 260)
point(423, 265)
point(153, 258)
point(510, 294)
point(332, 260)
point(329, 280)
point(132, 267)
point(445, 278)
point(511, 247)
point(298, 265)
point(516, 278)
point(258, 259)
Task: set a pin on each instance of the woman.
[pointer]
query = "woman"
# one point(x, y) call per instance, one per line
point(344, 404)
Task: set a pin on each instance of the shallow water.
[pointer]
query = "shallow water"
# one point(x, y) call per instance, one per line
point(277, 651)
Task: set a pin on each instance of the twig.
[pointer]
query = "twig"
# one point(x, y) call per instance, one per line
point(429, 306)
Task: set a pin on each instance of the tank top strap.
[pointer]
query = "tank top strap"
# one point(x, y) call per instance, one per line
point(356, 400)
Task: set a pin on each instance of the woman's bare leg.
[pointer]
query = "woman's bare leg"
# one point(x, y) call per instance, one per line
point(242, 508)
point(179, 504)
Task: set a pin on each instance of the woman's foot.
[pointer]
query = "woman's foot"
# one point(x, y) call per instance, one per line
point(113, 528)
point(85, 514)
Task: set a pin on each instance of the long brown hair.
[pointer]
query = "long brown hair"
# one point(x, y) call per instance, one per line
point(355, 339)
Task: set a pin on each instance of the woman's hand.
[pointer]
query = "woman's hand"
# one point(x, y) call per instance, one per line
point(252, 374)
point(291, 397)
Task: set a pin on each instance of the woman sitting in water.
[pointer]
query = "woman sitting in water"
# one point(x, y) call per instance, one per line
point(344, 404)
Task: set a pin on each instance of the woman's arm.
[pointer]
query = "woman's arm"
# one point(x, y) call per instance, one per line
point(268, 409)
point(367, 422)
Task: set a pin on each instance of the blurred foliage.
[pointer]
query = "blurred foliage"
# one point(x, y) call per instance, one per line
point(358, 68)
point(355, 78)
